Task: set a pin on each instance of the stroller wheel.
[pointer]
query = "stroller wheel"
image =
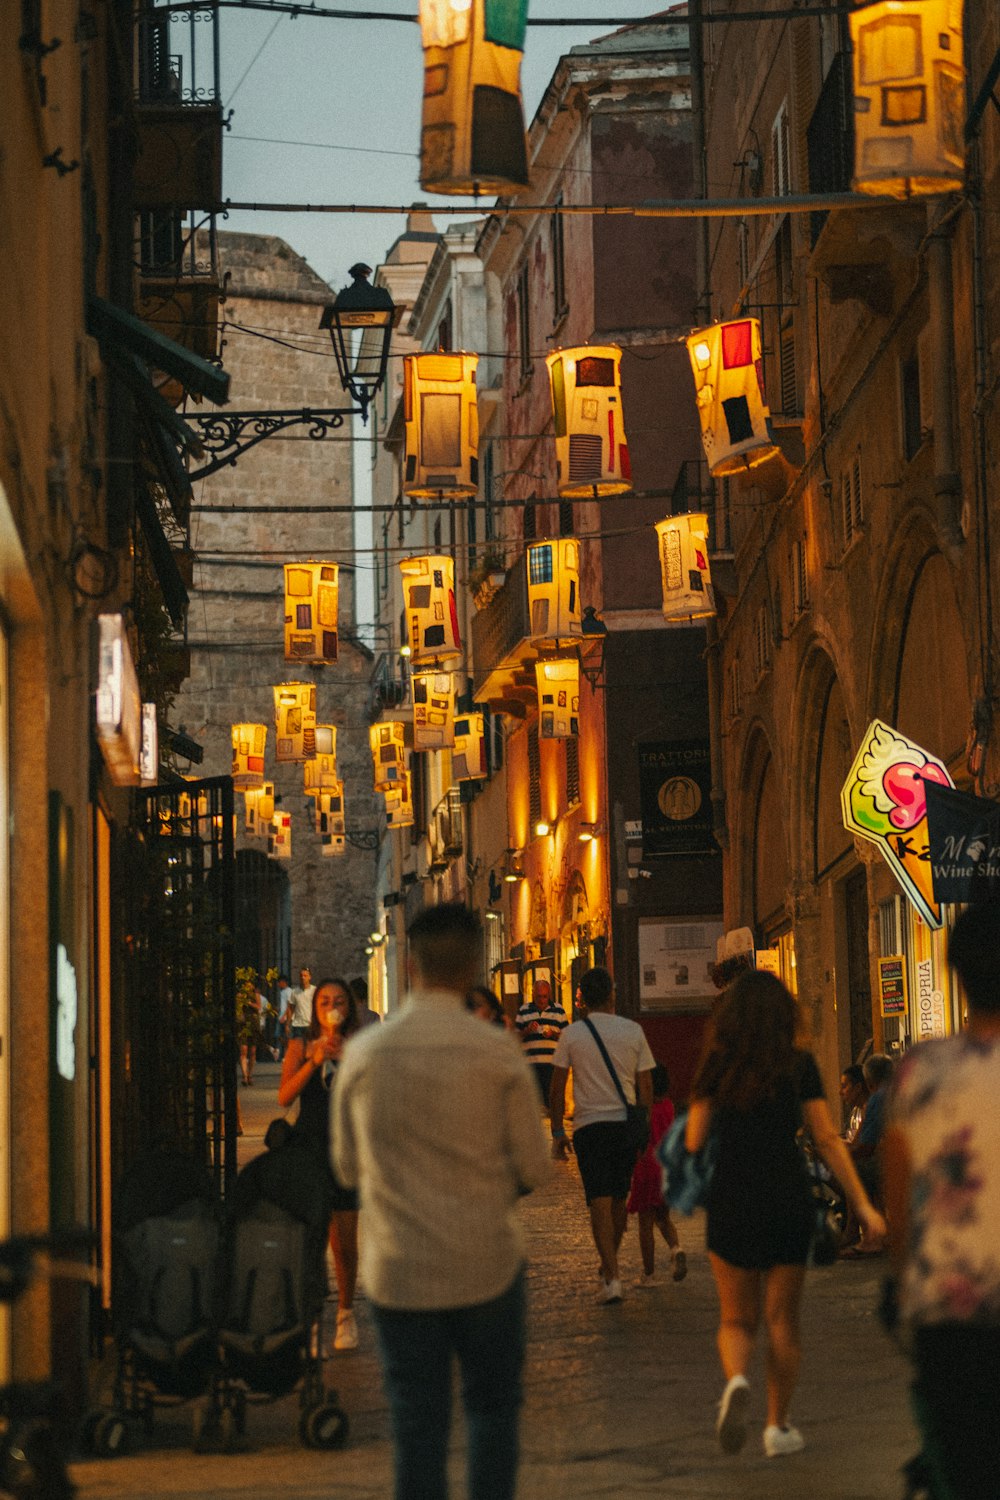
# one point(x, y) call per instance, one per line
point(324, 1426)
point(110, 1435)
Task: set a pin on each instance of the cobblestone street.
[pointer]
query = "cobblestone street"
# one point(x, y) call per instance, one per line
point(620, 1401)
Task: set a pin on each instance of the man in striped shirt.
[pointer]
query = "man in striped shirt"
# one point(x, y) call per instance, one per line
point(540, 1023)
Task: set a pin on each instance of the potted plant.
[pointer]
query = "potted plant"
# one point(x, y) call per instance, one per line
point(487, 578)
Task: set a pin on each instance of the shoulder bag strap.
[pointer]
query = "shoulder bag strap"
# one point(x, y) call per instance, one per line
point(607, 1061)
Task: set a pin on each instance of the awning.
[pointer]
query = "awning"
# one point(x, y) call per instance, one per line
point(175, 595)
point(118, 331)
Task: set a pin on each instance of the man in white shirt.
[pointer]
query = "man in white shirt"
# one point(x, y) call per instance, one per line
point(434, 1118)
point(600, 1136)
point(302, 1003)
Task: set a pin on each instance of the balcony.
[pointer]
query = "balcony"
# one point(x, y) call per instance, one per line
point(445, 832)
point(179, 288)
point(522, 622)
point(178, 109)
point(389, 691)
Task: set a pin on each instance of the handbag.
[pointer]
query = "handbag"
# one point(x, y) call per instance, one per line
point(685, 1175)
point(636, 1118)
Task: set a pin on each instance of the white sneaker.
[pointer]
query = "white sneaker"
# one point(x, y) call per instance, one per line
point(648, 1278)
point(611, 1291)
point(731, 1423)
point(781, 1440)
point(346, 1336)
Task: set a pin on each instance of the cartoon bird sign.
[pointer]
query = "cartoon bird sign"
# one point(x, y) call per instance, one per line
point(883, 801)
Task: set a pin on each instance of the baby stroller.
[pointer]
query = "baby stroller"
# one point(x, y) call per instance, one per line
point(166, 1241)
point(272, 1303)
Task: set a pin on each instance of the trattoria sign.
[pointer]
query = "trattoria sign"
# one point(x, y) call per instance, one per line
point(883, 801)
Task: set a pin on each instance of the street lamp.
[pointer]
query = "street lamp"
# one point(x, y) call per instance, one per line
point(594, 635)
point(366, 307)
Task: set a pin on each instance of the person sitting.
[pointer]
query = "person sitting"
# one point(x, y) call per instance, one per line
point(865, 1148)
point(854, 1095)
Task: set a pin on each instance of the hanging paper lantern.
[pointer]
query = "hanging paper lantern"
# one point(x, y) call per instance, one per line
point(249, 741)
point(279, 843)
point(433, 710)
point(687, 581)
point(472, 140)
point(332, 844)
point(442, 425)
point(399, 805)
point(295, 722)
point(331, 821)
point(258, 810)
point(388, 746)
point(729, 389)
point(591, 446)
point(320, 773)
point(558, 698)
point(468, 758)
point(311, 603)
point(909, 97)
point(431, 616)
point(554, 589)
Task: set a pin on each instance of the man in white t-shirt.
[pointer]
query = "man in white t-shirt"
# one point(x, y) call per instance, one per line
point(302, 1000)
point(600, 1136)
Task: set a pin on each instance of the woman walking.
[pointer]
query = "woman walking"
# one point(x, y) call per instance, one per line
point(755, 1090)
point(307, 1075)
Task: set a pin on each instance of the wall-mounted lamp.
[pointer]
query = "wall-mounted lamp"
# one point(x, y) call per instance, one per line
point(492, 916)
point(513, 868)
point(405, 649)
point(587, 832)
point(376, 938)
point(594, 635)
point(369, 950)
point(542, 828)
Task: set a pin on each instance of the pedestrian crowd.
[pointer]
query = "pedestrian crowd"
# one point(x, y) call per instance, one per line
point(433, 1122)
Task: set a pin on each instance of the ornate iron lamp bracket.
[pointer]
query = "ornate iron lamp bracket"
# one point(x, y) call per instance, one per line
point(362, 838)
point(227, 435)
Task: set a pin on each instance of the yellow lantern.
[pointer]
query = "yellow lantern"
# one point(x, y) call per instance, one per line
point(909, 97)
point(295, 722)
point(320, 773)
point(591, 446)
point(311, 603)
point(729, 389)
point(554, 588)
point(431, 616)
point(433, 710)
point(279, 843)
point(472, 139)
point(558, 698)
point(258, 809)
point(331, 821)
point(249, 741)
point(332, 844)
point(442, 425)
point(388, 746)
point(684, 570)
point(468, 758)
point(399, 805)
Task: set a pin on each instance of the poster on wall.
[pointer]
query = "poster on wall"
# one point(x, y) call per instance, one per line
point(676, 958)
point(675, 783)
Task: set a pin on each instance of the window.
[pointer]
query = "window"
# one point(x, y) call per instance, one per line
point(437, 535)
point(559, 302)
point(444, 333)
point(735, 689)
point(489, 521)
point(916, 396)
point(762, 641)
point(540, 564)
point(529, 520)
point(800, 576)
point(743, 251)
point(781, 154)
point(786, 359)
point(565, 518)
point(493, 735)
point(524, 323)
point(534, 779)
point(723, 516)
point(572, 771)
point(851, 501)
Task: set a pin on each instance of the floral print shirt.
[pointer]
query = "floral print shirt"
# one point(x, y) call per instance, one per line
point(945, 1105)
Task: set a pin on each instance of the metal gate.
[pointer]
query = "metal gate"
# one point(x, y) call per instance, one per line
point(180, 1014)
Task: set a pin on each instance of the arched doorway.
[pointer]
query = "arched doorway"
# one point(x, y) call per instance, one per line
point(262, 939)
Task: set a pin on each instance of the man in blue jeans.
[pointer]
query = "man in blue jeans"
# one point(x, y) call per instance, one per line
point(434, 1118)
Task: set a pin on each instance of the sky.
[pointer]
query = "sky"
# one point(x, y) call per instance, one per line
point(328, 111)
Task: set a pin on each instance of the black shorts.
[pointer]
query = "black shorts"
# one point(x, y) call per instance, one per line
point(605, 1158)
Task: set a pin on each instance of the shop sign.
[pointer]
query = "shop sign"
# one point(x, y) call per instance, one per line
point(892, 985)
point(675, 783)
point(964, 836)
point(768, 961)
point(676, 958)
point(930, 1003)
point(883, 801)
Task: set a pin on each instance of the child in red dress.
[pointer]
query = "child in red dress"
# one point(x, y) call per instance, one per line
point(646, 1198)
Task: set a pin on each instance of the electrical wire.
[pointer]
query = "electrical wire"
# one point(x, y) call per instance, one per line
point(249, 66)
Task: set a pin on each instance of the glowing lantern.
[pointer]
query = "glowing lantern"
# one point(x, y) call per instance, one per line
point(433, 710)
point(311, 602)
point(258, 809)
point(431, 616)
point(320, 773)
point(399, 805)
point(442, 425)
point(388, 745)
point(729, 389)
point(295, 722)
point(591, 447)
point(554, 589)
point(558, 698)
point(468, 758)
point(249, 741)
point(279, 843)
point(687, 582)
point(909, 97)
point(119, 710)
point(472, 140)
point(149, 755)
point(331, 821)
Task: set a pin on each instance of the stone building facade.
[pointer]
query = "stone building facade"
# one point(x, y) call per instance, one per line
point(288, 498)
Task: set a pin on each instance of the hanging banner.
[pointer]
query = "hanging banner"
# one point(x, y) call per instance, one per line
point(963, 833)
point(883, 800)
point(675, 783)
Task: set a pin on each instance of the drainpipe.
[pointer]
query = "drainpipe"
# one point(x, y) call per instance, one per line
point(947, 483)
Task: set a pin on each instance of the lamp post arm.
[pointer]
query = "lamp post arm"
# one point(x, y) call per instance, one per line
point(227, 435)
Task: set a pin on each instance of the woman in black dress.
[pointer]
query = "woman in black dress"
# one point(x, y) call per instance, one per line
point(307, 1075)
point(755, 1089)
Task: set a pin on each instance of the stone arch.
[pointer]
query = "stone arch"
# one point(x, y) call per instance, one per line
point(762, 837)
point(824, 747)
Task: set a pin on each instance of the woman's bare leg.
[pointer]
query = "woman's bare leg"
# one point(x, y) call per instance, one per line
point(739, 1313)
point(782, 1302)
point(667, 1228)
point(646, 1245)
point(344, 1244)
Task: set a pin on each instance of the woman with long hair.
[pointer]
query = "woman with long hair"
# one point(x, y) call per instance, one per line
point(307, 1075)
point(754, 1089)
